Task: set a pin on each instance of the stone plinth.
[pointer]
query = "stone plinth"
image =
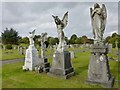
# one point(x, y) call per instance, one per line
point(99, 71)
point(43, 66)
point(31, 58)
point(61, 65)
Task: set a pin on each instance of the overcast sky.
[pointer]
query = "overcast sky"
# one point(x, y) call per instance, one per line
point(26, 16)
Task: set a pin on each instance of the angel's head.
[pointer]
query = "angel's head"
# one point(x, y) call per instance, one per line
point(96, 5)
point(57, 20)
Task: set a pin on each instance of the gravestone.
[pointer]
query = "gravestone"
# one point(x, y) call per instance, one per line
point(31, 57)
point(14, 47)
point(61, 64)
point(21, 50)
point(98, 70)
point(43, 66)
point(110, 47)
point(116, 44)
point(72, 54)
point(4, 48)
point(0, 47)
point(24, 50)
point(18, 48)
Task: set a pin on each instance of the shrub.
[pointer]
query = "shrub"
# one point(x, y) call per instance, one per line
point(9, 46)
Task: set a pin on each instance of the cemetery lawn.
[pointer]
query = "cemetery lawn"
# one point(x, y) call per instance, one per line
point(15, 54)
point(10, 54)
point(14, 77)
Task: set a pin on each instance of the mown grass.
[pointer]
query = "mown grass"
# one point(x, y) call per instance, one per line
point(14, 77)
point(11, 54)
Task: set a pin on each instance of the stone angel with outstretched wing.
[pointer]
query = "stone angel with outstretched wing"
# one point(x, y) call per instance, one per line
point(61, 23)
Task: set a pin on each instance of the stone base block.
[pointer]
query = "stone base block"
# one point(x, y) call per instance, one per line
point(61, 65)
point(43, 66)
point(108, 84)
point(98, 70)
point(67, 73)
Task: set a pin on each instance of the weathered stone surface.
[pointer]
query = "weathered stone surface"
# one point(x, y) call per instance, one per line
point(31, 58)
point(43, 66)
point(61, 65)
point(99, 71)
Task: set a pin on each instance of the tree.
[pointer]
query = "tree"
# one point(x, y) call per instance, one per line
point(10, 36)
point(90, 41)
point(73, 38)
point(52, 41)
point(36, 38)
point(24, 40)
point(84, 39)
point(56, 40)
point(107, 39)
point(78, 41)
point(114, 35)
point(66, 39)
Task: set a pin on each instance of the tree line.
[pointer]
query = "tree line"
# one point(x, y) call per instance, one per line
point(10, 36)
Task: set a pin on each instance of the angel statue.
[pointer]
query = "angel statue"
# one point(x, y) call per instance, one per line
point(61, 24)
point(31, 36)
point(43, 45)
point(98, 19)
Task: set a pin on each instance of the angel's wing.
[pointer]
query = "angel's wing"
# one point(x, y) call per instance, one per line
point(65, 19)
point(104, 11)
point(104, 17)
point(44, 34)
point(91, 12)
point(33, 32)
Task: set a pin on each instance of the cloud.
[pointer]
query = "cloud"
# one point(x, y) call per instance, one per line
point(25, 16)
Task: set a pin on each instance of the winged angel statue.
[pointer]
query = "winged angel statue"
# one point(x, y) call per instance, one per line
point(31, 36)
point(61, 24)
point(98, 18)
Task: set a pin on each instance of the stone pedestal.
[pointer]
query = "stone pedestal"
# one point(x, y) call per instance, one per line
point(61, 65)
point(31, 58)
point(43, 66)
point(99, 71)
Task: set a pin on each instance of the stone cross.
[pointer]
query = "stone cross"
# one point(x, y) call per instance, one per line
point(43, 45)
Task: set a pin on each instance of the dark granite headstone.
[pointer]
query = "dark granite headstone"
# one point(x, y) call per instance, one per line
point(43, 66)
point(61, 65)
point(99, 71)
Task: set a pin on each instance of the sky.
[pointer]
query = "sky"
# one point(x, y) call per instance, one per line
point(26, 16)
